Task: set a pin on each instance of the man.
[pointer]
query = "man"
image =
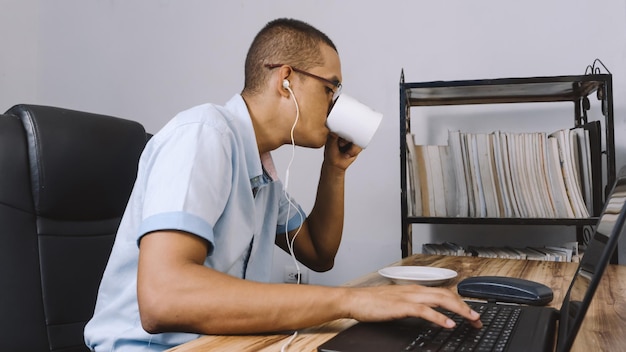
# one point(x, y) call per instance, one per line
point(193, 253)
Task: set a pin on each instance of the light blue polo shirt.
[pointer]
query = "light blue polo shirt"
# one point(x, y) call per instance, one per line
point(202, 174)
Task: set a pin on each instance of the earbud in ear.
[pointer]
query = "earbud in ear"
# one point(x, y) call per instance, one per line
point(285, 83)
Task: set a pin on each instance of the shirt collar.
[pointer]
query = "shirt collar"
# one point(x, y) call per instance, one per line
point(237, 106)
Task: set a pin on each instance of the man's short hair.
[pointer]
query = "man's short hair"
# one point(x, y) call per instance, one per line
point(283, 41)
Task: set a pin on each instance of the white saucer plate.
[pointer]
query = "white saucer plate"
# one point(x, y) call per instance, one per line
point(421, 275)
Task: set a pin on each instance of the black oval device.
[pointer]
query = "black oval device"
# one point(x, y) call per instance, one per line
point(505, 290)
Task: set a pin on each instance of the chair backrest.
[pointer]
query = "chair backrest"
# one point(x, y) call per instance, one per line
point(65, 178)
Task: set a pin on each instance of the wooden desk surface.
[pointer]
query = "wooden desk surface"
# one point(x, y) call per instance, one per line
point(604, 327)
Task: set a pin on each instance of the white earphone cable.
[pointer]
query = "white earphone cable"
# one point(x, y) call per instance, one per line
point(290, 242)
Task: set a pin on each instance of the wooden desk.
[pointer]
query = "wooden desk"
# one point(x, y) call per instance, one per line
point(604, 327)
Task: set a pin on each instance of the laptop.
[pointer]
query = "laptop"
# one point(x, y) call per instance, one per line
point(528, 328)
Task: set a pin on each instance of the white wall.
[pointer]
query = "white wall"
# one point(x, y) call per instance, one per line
point(148, 59)
point(19, 36)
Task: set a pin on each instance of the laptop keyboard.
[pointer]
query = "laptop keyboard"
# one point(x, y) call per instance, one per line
point(498, 323)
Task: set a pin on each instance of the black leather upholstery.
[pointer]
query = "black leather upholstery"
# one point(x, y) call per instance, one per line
point(65, 178)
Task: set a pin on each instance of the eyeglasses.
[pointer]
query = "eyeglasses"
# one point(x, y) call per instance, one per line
point(336, 84)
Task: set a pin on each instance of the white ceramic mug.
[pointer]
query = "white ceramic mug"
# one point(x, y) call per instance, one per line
point(353, 120)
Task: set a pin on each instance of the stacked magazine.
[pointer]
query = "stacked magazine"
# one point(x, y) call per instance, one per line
point(568, 252)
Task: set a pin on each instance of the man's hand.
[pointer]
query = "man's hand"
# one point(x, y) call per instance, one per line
point(339, 152)
point(403, 301)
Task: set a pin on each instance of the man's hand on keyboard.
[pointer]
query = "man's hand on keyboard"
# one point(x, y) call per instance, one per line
point(390, 302)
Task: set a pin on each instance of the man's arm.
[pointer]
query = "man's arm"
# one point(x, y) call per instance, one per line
point(176, 292)
point(318, 240)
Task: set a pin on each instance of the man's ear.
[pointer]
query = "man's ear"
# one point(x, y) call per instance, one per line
point(283, 82)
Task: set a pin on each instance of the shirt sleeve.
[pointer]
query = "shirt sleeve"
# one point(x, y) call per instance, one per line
point(188, 180)
point(290, 214)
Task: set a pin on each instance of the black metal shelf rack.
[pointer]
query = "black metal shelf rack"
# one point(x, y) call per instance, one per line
point(575, 89)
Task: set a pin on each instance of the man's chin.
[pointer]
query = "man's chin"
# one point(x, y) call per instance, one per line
point(320, 141)
point(314, 145)
point(315, 141)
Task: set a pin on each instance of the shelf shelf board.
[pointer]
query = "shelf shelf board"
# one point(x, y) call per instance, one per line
point(503, 90)
point(503, 221)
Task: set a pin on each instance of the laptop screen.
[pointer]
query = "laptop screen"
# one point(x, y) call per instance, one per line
point(592, 265)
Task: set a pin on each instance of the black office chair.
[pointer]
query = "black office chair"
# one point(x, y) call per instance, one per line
point(65, 178)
